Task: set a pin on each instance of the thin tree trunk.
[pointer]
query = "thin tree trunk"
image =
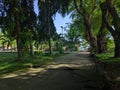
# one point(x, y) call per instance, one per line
point(11, 47)
point(3, 46)
point(7, 46)
point(49, 29)
point(117, 46)
point(20, 48)
point(31, 50)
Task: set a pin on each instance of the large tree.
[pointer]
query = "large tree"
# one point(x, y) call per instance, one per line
point(48, 8)
point(29, 23)
point(102, 34)
point(96, 33)
point(18, 22)
point(112, 21)
point(86, 10)
point(13, 17)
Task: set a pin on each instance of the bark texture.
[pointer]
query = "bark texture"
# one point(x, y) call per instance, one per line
point(101, 37)
point(90, 37)
point(115, 32)
point(20, 47)
point(49, 27)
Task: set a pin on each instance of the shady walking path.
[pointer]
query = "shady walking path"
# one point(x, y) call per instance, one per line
point(74, 71)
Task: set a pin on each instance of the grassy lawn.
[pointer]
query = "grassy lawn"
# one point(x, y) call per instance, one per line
point(107, 57)
point(9, 63)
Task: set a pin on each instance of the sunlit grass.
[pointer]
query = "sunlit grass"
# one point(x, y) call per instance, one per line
point(107, 57)
point(104, 56)
point(9, 62)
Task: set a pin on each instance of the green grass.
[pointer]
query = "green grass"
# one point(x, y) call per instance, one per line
point(9, 63)
point(107, 57)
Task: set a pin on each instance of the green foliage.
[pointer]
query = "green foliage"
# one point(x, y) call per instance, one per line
point(35, 29)
point(96, 21)
point(55, 6)
point(104, 56)
point(9, 64)
point(110, 45)
point(107, 57)
point(75, 33)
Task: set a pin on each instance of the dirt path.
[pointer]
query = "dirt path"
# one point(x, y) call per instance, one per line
point(70, 72)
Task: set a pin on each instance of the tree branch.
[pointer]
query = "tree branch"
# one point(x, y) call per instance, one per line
point(109, 27)
point(84, 11)
point(114, 14)
point(111, 8)
point(104, 17)
point(76, 7)
point(93, 9)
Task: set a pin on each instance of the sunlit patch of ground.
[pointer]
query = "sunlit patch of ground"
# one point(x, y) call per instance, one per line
point(70, 72)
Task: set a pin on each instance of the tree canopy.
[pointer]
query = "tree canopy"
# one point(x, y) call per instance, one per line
point(94, 21)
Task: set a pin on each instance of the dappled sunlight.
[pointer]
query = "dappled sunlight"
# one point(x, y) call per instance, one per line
point(56, 74)
point(74, 60)
point(117, 79)
point(75, 66)
point(59, 45)
point(25, 73)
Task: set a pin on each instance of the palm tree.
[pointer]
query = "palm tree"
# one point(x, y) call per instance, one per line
point(47, 9)
point(21, 18)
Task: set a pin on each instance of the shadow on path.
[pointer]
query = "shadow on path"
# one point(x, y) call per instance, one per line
point(70, 72)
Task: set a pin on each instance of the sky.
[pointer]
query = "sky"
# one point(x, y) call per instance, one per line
point(58, 19)
point(61, 21)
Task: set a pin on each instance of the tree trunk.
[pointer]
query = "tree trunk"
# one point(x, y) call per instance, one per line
point(41, 47)
point(90, 36)
point(11, 47)
point(117, 46)
point(102, 42)
point(31, 50)
point(3, 46)
point(101, 37)
point(8, 45)
point(20, 48)
point(48, 23)
point(115, 32)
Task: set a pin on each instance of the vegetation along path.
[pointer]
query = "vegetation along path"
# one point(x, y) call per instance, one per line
point(73, 71)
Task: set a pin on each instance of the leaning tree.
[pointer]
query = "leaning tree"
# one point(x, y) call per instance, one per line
point(112, 21)
point(84, 10)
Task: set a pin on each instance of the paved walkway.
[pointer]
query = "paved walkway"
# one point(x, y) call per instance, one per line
point(74, 71)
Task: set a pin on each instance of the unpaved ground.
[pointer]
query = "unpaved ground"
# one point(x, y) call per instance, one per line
point(74, 71)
